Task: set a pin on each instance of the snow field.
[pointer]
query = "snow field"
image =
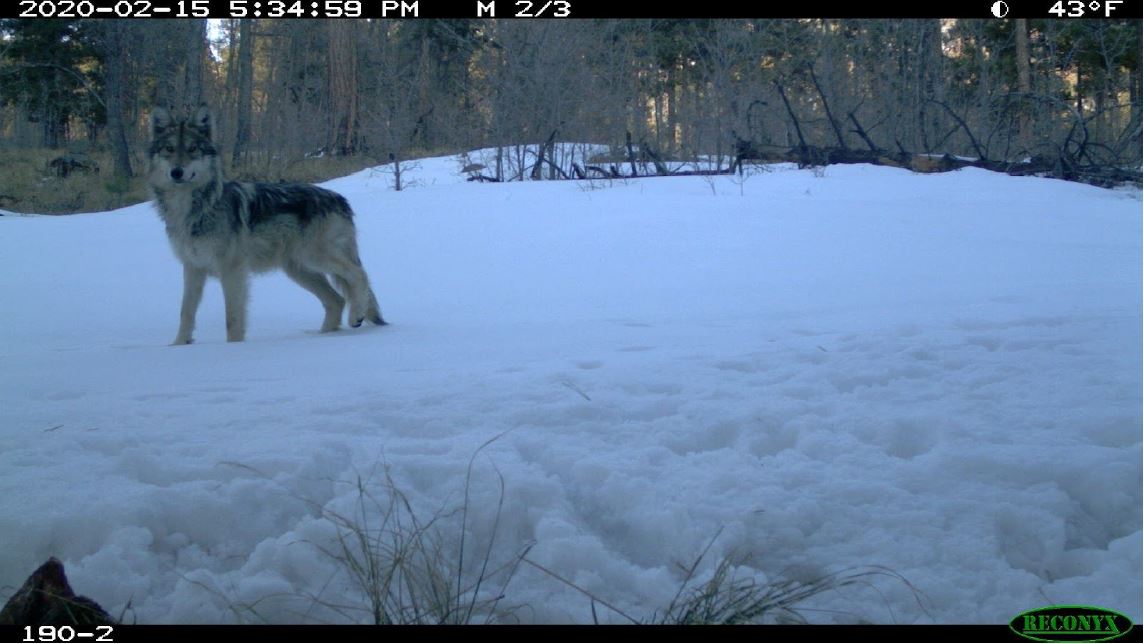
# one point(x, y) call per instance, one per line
point(937, 374)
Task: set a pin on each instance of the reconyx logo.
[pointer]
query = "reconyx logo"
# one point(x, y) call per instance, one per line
point(1070, 624)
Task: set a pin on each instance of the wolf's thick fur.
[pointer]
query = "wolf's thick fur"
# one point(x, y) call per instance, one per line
point(228, 229)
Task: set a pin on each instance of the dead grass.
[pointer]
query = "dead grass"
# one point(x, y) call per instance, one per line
point(405, 571)
point(277, 168)
point(405, 566)
point(30, 186)
point(729, 598)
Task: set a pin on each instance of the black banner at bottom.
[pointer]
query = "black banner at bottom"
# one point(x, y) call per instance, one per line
point(546, 633)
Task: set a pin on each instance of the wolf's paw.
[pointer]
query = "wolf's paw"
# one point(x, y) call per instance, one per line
point(356, 322)
point(181, 341)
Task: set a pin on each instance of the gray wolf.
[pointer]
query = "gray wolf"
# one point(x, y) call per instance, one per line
point(229, 229)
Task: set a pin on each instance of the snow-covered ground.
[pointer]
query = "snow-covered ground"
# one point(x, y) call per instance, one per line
point(937, 374)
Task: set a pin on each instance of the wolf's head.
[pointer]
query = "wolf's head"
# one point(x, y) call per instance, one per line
point(182, 154)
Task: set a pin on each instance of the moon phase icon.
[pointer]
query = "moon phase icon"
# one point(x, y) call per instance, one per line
point(999, 8)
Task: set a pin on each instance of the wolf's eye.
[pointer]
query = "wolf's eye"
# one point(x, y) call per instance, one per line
point(192, 148)
point(169, 149)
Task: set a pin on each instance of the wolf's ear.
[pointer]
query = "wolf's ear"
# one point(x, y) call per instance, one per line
point(203, 121)
point(160, 121)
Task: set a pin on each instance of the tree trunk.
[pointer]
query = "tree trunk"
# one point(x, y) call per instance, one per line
point(343, 87)
point(1024, 86)
point(933, 79)
point(114, 62)
point(193, 72)
point(245, 89)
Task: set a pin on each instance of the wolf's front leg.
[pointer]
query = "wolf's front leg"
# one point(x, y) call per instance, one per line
point(234, 292)
point(193, 281)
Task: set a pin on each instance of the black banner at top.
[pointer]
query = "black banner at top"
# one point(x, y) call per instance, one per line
point(568, 9)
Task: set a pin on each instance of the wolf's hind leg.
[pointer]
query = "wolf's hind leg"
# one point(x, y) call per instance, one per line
point(373, 312)
point(340, 259)
point(317, 284)
point(352, 293)
point(351, 278)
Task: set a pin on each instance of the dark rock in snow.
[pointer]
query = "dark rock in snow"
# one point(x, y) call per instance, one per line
point(46, 598)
